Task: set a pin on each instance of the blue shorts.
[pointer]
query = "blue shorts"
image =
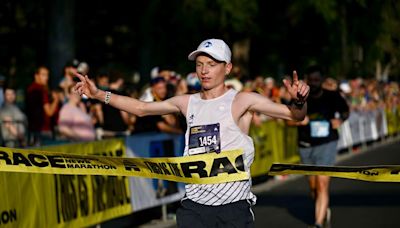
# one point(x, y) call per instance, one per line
point(324, 154)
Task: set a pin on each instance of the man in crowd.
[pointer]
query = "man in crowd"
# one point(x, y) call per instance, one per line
point(157, 123)
point(114, 122)
point(69, 72)
point(40, 108)
point(13, 121)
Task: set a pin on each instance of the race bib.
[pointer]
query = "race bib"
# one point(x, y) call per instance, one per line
point(204, 139)
point(319, 129)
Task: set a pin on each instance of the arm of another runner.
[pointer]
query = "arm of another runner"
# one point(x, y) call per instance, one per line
point(297, 110)
point(128, 104)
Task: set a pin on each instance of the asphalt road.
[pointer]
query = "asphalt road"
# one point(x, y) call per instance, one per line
point(353, 203)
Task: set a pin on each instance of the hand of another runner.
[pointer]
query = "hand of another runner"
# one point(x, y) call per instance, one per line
point(86, 86)
point(298, 90)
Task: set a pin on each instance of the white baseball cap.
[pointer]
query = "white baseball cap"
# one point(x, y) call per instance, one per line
point(216, 48)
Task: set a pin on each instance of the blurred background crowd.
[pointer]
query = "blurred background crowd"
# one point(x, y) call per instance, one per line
point(139, 49)
point(44, 115)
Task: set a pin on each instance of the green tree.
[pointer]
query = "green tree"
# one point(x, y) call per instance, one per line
point(367, 31)
point(231, 20)
point(387, 44)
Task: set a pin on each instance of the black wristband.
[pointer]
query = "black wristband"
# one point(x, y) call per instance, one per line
point(298, 103)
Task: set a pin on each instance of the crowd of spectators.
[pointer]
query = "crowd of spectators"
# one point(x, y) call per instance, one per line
point(58, 115)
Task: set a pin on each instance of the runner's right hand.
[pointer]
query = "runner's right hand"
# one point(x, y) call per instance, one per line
point(86, 86)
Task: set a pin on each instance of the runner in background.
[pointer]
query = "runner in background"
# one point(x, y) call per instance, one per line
point(318, 138)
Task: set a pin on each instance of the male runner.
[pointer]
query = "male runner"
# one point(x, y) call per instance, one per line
point(318, 138)
point(223, 117)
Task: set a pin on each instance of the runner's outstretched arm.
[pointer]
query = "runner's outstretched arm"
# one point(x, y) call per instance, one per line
point(125, 103)
point(297, 110)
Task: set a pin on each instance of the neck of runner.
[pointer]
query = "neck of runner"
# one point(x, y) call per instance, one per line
point(213, 93)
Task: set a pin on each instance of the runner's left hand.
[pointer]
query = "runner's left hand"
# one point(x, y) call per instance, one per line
point(298, 90)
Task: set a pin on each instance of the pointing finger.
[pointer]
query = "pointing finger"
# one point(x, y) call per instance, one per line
point(295, 77)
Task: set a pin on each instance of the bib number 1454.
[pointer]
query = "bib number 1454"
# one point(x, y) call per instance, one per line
point(208, 140)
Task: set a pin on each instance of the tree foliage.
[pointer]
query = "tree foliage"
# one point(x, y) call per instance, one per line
point(347, 37)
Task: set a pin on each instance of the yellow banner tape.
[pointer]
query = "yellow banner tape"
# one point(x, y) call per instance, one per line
point(384, 173)
point(210, 168)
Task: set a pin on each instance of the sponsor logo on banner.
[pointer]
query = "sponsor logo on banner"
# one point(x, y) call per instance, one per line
point(86, 196)
point(64, 199)
point(72, 191)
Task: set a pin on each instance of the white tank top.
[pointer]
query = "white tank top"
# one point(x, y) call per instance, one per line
point(213, 117)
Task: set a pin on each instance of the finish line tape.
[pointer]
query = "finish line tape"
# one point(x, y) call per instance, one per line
point(210, 168)
point(385, 173)
point(213, 168)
